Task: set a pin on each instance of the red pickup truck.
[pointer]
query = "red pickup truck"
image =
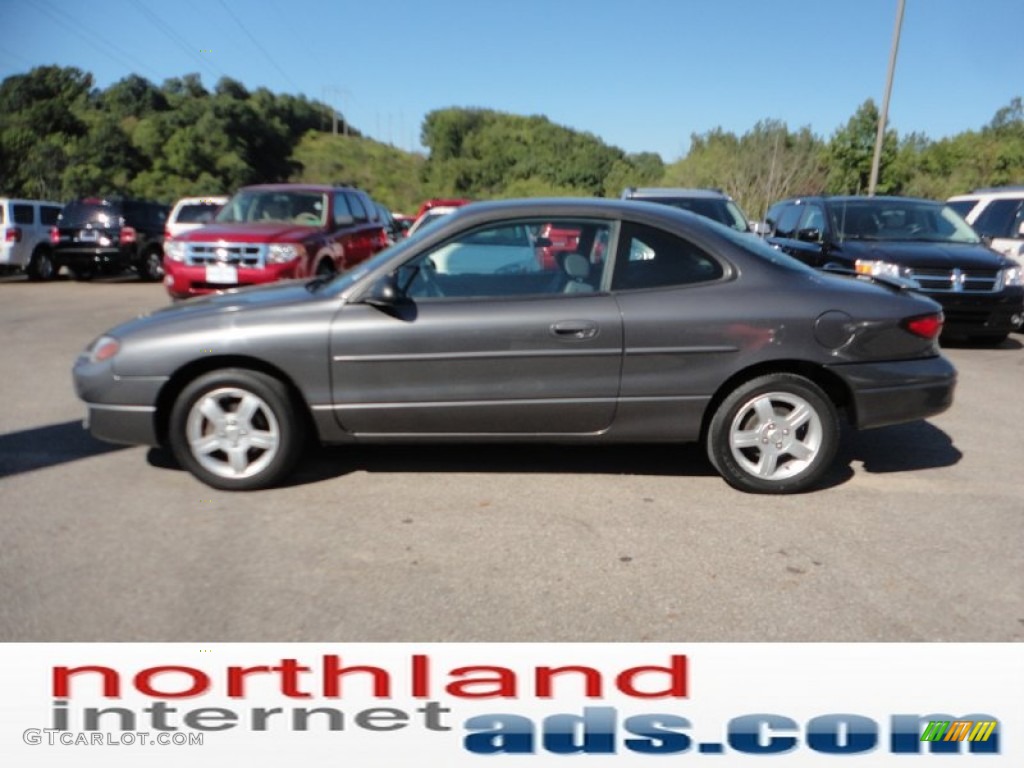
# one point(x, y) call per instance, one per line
point(271, 232)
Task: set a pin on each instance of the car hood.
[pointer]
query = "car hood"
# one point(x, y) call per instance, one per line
point(922, 254)
point(251, 232)
point(232, 303)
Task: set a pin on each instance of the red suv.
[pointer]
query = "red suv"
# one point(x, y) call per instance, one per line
point(272, 232)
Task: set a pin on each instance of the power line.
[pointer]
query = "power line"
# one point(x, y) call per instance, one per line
point(177, 39)
point(128, 62)
point(265, 52)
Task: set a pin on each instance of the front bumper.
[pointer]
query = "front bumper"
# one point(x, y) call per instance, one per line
point(981, 314)
point(896, 392)
point(118, 409)
point(185, 280)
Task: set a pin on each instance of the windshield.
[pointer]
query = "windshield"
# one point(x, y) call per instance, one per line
point(287, 206)
point(910, 220)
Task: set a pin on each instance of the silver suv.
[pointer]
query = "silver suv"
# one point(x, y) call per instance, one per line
point(25, 236)
point(997, 214)
point(712, 204)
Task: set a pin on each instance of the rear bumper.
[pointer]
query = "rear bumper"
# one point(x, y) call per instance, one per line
point(897, 392)
point(92, 257)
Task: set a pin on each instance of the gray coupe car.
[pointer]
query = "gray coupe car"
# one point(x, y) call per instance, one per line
point(661, 326)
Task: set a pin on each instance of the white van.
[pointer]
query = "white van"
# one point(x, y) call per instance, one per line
point(997, 214)
point(25, 236)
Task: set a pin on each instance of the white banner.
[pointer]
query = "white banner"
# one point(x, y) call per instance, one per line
point(451, 705)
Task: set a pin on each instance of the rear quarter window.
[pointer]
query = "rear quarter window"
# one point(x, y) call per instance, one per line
point(23, 214)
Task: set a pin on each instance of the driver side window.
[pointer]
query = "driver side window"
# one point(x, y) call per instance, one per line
point(510, 258)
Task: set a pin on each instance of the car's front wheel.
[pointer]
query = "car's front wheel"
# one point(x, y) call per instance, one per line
point(774, 434)
point(236, 429)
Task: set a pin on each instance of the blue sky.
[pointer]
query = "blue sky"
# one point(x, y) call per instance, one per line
point(642, 75)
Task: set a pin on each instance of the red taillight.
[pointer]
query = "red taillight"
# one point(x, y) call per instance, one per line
point(127, 235)
point(54, 235)
point(13, 235)
point(925, 326)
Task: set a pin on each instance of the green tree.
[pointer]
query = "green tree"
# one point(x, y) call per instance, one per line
point(851, 150)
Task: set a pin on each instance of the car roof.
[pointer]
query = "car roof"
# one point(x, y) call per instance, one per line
point(654, 192)
point(284, 187)
point(860, 199)
point(202, 200)
point(994, 193)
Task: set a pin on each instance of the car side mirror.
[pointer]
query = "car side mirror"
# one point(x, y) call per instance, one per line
point(761, 228)
point(809, 235)
point(385, 293)
point(986, 240)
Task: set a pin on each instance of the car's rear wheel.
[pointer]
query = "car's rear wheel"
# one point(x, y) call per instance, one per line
point(236, 429)
point(774, 434)
point(151, 268)
point(41, 266)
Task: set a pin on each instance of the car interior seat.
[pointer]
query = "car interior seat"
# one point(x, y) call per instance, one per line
point(577, 270)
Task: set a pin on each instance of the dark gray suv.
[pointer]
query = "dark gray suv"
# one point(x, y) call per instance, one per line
point(712, 204)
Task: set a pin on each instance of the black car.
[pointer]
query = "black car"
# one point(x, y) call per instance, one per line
point(95, 235)
point(661, 326)
point(920, 241)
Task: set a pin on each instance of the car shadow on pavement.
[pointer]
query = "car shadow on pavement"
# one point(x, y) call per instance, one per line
point(48, 446)
point(906, 447)
point(900, 448)
point(666, 460)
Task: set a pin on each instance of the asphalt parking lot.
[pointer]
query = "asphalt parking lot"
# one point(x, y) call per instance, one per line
point(919, 535)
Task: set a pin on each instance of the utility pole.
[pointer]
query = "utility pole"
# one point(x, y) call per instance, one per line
point(334, 90)
point(883, 118)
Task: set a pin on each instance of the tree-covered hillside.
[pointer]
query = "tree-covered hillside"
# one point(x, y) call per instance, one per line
point(60, 138)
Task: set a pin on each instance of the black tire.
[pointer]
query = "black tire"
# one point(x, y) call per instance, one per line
point(774, 434)
point(41, 266)
point(988, 340)
point(151, 267)
point(236, 430)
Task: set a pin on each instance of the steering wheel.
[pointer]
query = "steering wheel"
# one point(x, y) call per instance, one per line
point(307, 218)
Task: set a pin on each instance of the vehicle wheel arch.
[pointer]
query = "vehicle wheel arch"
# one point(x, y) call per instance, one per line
point(831, 383)
point(183, 376)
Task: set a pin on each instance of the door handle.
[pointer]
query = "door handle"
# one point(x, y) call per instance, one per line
point(574, 329)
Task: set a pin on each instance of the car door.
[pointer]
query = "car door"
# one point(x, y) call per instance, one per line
point(799, 232)
point(483, 342)
point(679, 310)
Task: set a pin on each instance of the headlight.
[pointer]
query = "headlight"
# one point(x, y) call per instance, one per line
point(279, 253)
point(174, 250)
point(881, 269)
point(1012, 277)
point(104, 348)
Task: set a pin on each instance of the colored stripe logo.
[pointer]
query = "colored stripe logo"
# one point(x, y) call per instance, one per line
point(958, 730)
